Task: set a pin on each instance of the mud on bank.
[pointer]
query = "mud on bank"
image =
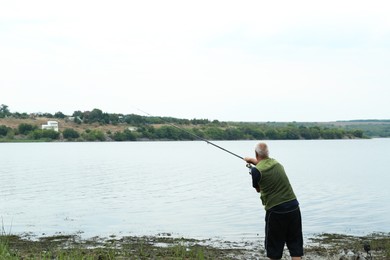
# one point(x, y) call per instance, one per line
point(163, 246)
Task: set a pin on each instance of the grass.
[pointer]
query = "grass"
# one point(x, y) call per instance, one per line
point(324, 246)
point(333, 244)
point(14, 123)
point(43, 140)
point(71, 247)
point(5, 251)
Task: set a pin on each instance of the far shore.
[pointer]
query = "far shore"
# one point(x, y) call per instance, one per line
point(45, 129)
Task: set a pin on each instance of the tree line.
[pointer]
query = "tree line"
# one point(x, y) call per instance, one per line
point(98, 116)
point(191, 132)
point(167, 128)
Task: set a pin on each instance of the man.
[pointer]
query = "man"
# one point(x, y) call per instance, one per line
point(283, 224)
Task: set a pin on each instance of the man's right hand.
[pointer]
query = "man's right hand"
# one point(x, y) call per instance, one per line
point(250, 160)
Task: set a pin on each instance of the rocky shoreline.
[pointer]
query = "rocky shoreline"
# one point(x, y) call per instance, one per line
point(164, 246)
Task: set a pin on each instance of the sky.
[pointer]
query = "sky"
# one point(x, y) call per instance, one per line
point(251, 61)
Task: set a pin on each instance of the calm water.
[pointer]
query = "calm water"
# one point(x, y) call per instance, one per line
point(189, 189)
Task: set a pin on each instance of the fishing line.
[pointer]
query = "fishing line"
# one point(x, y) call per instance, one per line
point(194, 135)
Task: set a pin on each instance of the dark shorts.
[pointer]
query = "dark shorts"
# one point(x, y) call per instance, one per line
point(283, 228)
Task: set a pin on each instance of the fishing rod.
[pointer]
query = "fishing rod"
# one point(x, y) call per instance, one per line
point(198, 137)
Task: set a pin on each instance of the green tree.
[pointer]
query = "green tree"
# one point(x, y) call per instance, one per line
point(232, 133)
point(4, 111)
point(20, 116)
point(77, 120)
point(59, 115)
point(70, 133)
point(93, 135)
point(50, 134)
point(252, 132)
point(215, 133)
point(113, 119)
point(315, 132)
point(328, 133)
point(78, 117)
point(198, 132)
point(25, 129)
point(126, 135)
point(135, 119)
point(199, 121)
point(10, 134)
point(77, 113)
point(168, 132)
point(45, 134)
point(272, 134)
point(48, 115)
point(36, 134)
point(96, 115)
point(305, 132)
point(358, 133)
point(129, 136)
point(147, 131)
point(118, 136)
point(292, 133)
point(3, 130)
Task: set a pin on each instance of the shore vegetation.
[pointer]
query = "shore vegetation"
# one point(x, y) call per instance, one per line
point(164, 246)
point(96, 125)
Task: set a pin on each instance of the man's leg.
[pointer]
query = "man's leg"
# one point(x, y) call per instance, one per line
point(274, 235)
point(294, 235)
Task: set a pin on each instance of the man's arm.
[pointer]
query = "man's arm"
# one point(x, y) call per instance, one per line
point(251, 160)
point(256, 177)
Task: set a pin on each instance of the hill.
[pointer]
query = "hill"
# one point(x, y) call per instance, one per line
point(371, 127)
point(97, 125)
point(63, 124)
point(135, 127)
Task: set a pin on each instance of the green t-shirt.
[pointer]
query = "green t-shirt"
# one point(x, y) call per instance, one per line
point(275, 188)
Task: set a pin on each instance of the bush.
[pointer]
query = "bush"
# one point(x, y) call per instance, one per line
point(93, 135)
point(45, 134)
point(25, 129)
point(358, 133)
point(126, 135)
point(70, 133)
point(59, 114)
point(3, 130)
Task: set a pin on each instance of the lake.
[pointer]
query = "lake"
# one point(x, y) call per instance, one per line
point(189, 189)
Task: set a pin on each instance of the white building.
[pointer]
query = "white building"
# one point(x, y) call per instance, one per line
point(53, 125)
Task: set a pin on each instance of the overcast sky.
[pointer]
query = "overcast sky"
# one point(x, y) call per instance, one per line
point(224, 60)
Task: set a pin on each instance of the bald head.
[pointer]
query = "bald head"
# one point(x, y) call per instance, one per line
point(262, 150)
